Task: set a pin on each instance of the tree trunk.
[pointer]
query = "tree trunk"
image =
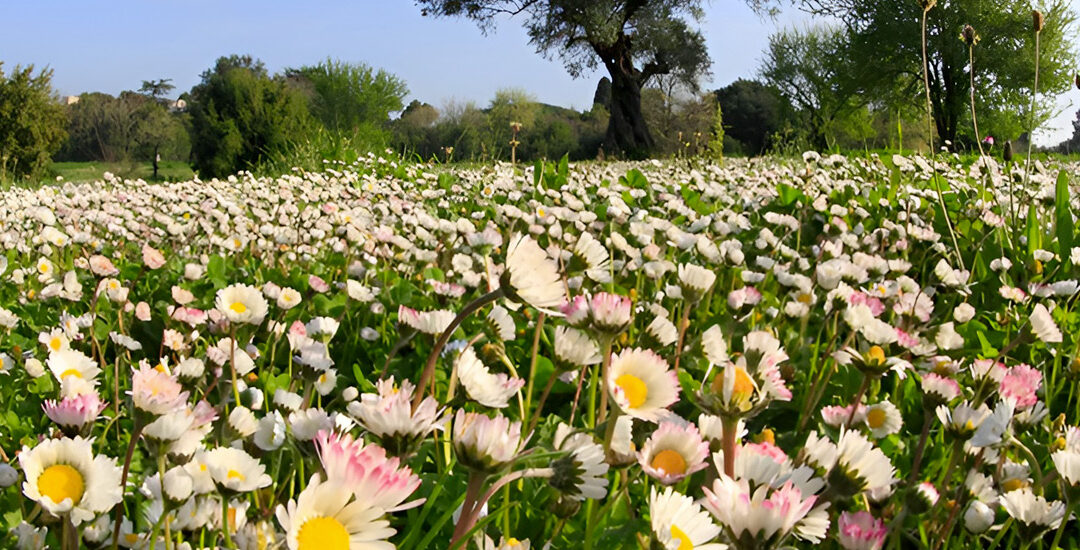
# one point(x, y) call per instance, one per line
point(627, 133)
point(156, 157)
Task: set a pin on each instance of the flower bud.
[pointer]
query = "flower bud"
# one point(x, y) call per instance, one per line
point(1038, 20)
point(978, 517)
point(969, 36)
point(1007, 154)
point(8, 476)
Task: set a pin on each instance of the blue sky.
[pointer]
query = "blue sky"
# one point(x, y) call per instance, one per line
point(113, 45)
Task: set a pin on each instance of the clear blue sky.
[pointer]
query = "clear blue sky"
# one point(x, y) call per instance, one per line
point(113, 45)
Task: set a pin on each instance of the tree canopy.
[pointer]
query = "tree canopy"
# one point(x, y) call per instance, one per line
point(31, 122)
point(634, 40)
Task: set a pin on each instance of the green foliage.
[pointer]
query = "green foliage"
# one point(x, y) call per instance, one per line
point(122, 129)
point(716, 144)
point(885, 58)
point(240, 116)
point(351, 99)
point(31, 122)
point(752, 114)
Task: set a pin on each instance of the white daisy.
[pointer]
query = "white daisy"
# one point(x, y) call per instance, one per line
point(680, 523)
point(642, 385)
point(64, 477)
point(490, 390)
point(325, 517)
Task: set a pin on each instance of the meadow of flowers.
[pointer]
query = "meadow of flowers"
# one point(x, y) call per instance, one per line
point(858, 353)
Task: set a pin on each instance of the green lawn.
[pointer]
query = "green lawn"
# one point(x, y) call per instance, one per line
point(90, 171)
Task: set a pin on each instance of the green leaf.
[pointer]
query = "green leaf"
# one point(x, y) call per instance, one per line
point(788, 194)
point(1034, 235)
point(1063, 216)
point(215, 271)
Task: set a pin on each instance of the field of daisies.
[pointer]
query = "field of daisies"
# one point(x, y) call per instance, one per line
point(858, 353)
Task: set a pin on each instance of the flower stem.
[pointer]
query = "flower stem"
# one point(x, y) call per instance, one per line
point(532, 361)
point(684, 323)
point(429, 368)
point(123, 480)
point(604, 368)
point(225, 522)
point(472, 493)
point(857, 401)
point(730, 428)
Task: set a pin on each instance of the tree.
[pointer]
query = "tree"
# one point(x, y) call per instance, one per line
point(886, 54)
point(240, 116)
point(807, 67)
point(352, 99)
point(31, 122)
point(752, 113)
point(119, 129)
point(634, 40)
point(157, 124)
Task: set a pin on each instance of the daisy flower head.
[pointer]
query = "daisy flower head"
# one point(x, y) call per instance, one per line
point(490, 390)
point(234, 471)
point(65, 478)
point(581, 473)
point(74, 413)
point(672, 452)
point(531, 276)
point(883, 419)
point(389, 416)
point(483, 443)
point(642, 385)
point(757, 518)
point(241, 304)
point(69, 362)
point(938, 390)
point(610, 313)
point(679, 523)
point(861, 531)
point(1034, 514)
point(366, 471)
point(745, 387)
point(575, 348)
point(326, 517)
point(155, 391)
point(695, 281)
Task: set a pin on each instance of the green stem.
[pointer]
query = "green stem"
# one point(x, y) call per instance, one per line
point(225, 521)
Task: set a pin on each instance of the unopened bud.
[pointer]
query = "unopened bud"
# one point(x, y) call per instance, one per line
point(1038, 20)
point(1007, 154)
point(927, 5)
point(969, 36)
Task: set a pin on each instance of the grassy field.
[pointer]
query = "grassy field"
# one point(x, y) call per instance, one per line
point(89, 171)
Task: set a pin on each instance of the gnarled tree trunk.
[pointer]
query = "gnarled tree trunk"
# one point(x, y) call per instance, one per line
point(627, 133)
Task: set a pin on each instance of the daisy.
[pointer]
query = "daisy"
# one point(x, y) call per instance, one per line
point(490, 390)
point(581, 474)
point(673, 452)
point(695, 281)
point(325, 517)
point(74, 413)
point(69, 362)
point(595, 256)
point(1034, 513)
point(234, 470)
point(663, 331)
point(679, 523)
point(575, 348)
point(502, 323)
point(642, 385)
point(55, 340)
point(1043, 325)
point(366, 471)
point(883, 419)
point(758, 518)
point(483, 443)
point(978, 517)
point(861, 531)
point(610, 313)
point(531, 277)
point(389, 415)
point(156, 392)
point(65, 478)
point(242, 304)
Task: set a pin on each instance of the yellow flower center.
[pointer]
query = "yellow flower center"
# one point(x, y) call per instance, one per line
point(131, 538)
point(238, 307)
point(232, 518)
point(60, 482)
point(805, 298)
point(43, 267)
point(875, 418)
point(744, 385)
point(682, 537)
point(875, 355)
point(1013, 484)
point(634, 389)
point(233, 474)
point(70, 372)
point(767, 436)
point(55, 343)
point(512, 542)
point(322, 533)
point(670, 461)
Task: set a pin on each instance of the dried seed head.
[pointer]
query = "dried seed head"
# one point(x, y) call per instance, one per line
point(1078, 81)
point(969, 36)
point(927, 5)
point(1007, 154)
point(1038, 19)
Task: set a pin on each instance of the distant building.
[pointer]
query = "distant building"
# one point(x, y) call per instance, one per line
point(69, 99)
point(177, 105)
